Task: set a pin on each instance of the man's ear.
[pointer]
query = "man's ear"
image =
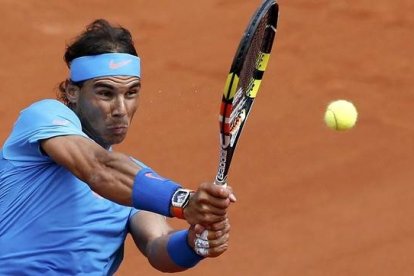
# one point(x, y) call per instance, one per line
point(72, 93)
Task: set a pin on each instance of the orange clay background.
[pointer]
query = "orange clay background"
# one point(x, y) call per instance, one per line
point(311, 201)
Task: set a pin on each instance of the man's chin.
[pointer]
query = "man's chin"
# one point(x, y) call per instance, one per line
point(118, 139)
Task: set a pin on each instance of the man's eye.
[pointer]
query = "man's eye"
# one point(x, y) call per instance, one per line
point(132, 93)
point(104, 93)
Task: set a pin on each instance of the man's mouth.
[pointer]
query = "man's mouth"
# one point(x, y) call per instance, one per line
point(118, 129)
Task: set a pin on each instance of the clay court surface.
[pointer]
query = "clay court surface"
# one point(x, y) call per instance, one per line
point(311, 201)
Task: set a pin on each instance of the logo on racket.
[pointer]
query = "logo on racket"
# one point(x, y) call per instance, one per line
point(222, 165)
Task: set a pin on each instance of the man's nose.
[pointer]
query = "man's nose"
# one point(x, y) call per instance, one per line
point(119, 107)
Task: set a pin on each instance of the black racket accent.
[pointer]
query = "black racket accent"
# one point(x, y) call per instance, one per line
point(258, 75)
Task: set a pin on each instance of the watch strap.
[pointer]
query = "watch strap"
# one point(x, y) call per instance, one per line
point(178, 212)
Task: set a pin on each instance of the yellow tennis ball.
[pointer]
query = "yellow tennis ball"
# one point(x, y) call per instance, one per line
point(341, 115)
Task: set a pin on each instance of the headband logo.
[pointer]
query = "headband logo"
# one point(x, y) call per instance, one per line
point(117, 65)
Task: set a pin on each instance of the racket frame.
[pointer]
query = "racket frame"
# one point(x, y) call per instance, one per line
point(236, 103)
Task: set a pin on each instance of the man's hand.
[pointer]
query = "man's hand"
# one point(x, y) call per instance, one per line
point(208, 204)
point(210, 243)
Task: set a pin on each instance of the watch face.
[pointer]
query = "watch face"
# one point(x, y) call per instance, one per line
point(181, 196)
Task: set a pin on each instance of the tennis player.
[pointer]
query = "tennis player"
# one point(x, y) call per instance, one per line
point(67, 201)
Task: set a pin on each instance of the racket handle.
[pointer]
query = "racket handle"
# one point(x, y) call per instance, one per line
point(221, 183)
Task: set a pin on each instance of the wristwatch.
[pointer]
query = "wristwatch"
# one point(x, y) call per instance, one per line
point(179, 201)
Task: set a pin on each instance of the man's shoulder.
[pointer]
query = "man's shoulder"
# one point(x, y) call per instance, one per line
point(48, 109)
point(46, 117)
point(47, 104)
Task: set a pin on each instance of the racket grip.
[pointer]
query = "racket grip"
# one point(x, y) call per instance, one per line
point(223, 183)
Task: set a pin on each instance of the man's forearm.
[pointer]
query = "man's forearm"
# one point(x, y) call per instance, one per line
point(172, 253)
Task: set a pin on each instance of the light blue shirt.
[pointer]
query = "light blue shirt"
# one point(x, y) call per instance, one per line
point(51, 223)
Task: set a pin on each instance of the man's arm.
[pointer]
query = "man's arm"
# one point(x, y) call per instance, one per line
point(153, 236)
point(110, 174)
point(113, 175)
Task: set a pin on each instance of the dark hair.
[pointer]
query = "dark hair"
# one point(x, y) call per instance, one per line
point(100, 37)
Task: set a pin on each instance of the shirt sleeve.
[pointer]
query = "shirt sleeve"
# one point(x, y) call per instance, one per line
point(42, 120)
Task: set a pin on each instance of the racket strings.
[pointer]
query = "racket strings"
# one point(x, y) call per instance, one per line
point(254, 56)
point(241, 102)
point(251, 62)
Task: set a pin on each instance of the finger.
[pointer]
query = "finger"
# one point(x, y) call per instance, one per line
point(232, 196)
point(216, 210)
point(203, 215)
point(221, 225)
point(209, 216)
point(203, 235)
point(219, 241)
point(215, 190)
point(204, 200)
point(217, 251)
point(198, 229)
point(211, 248)
point(202, 251)
point(215, 234)
point(201, 243)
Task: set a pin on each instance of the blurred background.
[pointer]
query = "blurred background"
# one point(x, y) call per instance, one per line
point(311, 201)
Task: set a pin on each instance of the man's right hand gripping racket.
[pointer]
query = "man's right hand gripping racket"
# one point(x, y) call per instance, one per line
point(243, 81)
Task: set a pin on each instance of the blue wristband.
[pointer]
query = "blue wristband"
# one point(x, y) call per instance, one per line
point(180, 252)
point(153, 193)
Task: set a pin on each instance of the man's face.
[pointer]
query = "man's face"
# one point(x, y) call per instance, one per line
point(106, 107)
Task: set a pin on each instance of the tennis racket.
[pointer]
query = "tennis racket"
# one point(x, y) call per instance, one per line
point(243, 81)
